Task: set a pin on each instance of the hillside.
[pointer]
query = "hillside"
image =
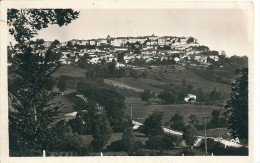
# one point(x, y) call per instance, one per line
point(161, 76)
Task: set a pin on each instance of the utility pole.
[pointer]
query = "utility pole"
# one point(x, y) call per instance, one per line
point(205, 134)
point(131, 112)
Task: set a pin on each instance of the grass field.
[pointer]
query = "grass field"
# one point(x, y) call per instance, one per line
point(66, 104)
point(70, 70)
point(216, 132)
point(161, 75)
point(140, 110)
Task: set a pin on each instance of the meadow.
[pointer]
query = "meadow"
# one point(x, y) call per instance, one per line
point(158, 76)
point(141, 110)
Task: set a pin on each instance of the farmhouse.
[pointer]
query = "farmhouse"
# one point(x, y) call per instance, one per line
point(190, 98)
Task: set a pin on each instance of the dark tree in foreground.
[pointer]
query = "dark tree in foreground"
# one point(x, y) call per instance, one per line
point(128, 139)
point(152, 124)
point(190, 135)
point(101, 131)
point(237, 106)
point(25, 23)
point(31, 113)
point(177, 122)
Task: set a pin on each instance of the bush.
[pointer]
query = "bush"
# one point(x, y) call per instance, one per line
point(136, 149)
point(186, 152)
point(115, 146)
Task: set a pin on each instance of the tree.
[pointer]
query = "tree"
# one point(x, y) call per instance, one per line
point(215, 117)
point(193, 119)
point(155, 142)
point(237, 106)
point(190, 135)
point(200, 95)
point(215, 95)
point(152, 124)
point(25, 23)
point(128, 139)
point(101, 131)
point(32, 110)
point(146, 95)
point(177, 122)
point(62, 84)
point(190, 40)
point(144, 74)
point(69, 44)
point(134, 74)
point(120, 57)
point(55, 43)
point(113, 102)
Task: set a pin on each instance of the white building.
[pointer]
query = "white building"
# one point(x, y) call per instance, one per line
point(190, 98)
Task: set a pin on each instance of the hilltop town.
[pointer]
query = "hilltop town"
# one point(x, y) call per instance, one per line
point(124, 50)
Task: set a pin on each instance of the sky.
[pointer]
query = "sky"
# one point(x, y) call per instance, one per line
point(219, 29)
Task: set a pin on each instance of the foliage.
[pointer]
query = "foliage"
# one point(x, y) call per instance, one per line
point(30, 99)
point(193, 119)
point(160, 142)
point(112, 101)
point(237, 106)
point(69, 44)
point(146, 95)
point(136, 149)
point(190, 40)
point(186, 152)
point(177, 122)
point(66, 140)
point(155, 142)
point(120, 57)
point(33, 113)
point(152, 124)
point(175, 94)
point(62, 83)
point(24, 24)
point(115, 146)
point(128, 139)
point(101, 131)
point(106, 70)
point(134, 74)
point(190, 135)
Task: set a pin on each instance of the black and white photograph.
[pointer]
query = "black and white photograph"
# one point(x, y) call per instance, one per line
point(129, 81)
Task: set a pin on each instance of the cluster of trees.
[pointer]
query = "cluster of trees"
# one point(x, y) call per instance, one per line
point(127, 143)
point(146, 95)
point(176, 94)
point(112, 101)
point(159, 140)
point(158, 61)
point(229, 64)
point(104, 70)
point(217, 120)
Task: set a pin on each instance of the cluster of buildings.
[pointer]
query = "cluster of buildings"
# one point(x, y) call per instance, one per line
point(149, 48)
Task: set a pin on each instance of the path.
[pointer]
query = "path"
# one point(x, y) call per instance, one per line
point(120, 85)
point(199, 139)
